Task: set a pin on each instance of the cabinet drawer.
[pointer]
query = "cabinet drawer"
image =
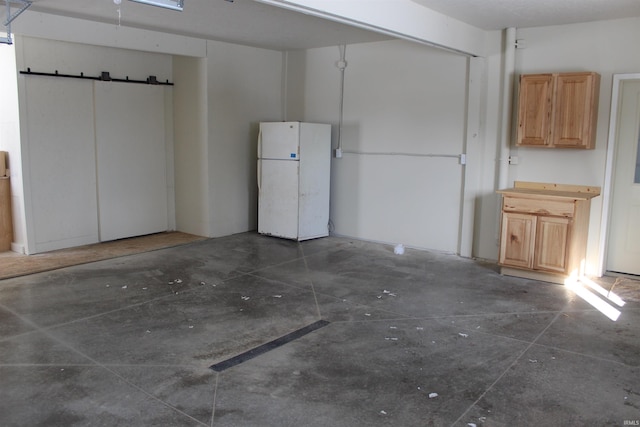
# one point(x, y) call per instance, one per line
point(537, 206)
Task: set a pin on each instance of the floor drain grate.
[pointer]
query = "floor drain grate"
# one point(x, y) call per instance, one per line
point(278, 342)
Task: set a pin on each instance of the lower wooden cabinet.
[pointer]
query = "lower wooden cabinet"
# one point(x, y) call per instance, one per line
point(544, 230)
point(517, 240)
point(552, 244)
point(6, 225)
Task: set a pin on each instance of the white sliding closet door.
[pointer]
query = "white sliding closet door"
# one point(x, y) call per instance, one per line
point(131, 159)
point(59, 164)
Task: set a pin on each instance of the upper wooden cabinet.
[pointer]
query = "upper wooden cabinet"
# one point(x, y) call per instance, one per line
point(558, 110)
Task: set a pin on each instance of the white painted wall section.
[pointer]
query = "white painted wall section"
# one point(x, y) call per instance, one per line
point(244, 87)
point(191, 149)
point(487, 204)
point(417, 110)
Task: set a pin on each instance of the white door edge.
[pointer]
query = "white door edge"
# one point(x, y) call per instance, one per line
point(607, 188)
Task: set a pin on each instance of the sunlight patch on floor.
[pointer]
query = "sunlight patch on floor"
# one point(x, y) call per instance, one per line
point(596, 296)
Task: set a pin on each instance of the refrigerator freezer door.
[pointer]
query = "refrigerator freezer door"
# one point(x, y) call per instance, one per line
point(278, 198)
point(279, 140)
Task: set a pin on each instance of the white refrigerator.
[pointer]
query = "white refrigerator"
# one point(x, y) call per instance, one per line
point(294, 162)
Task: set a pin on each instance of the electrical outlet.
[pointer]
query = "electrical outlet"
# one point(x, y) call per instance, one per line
point(513, 160)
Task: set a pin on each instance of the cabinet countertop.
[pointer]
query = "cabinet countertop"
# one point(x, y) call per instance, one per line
point(542, 194)
point(541, 190)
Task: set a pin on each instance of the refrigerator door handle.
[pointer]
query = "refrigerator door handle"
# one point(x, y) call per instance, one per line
point(259, 173)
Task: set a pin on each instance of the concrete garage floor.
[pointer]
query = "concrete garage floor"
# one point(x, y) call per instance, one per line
point(130, 342)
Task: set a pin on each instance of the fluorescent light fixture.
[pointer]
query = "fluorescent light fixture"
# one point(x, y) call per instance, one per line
point(167, 4)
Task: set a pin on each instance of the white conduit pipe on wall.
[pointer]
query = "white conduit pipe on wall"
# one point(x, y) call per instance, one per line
point(508, 70)
point(341, 64)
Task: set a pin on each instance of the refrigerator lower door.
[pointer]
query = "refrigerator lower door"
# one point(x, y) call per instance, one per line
point(278, 198)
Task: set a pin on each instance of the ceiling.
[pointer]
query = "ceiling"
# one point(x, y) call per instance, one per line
point(250, 22)
point(245, 22)
point(500, 14)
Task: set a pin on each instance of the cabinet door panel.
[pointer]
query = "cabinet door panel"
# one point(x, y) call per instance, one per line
point(552, 235)
point(574, 102)
point(517, 240)
point(534, 109)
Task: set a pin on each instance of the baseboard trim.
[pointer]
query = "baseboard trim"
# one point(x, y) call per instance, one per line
point(534, 275)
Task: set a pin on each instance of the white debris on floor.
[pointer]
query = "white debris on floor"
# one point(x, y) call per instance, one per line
point(463, 335)
point(433, 395)
point(398, 249)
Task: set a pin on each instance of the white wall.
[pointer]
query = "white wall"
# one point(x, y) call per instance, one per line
point(244, 86)
point(606, 47)
point(191, 145)
point(488, 203)
point(399, 97)
point(10, 136)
